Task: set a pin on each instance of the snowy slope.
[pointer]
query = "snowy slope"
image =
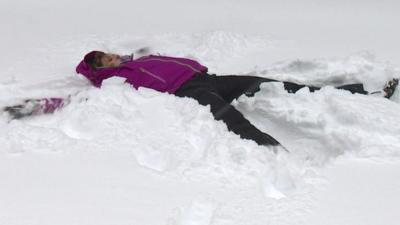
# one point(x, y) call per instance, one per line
point(122, 156)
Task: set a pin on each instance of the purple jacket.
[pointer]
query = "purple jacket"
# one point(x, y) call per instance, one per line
point(161, 73)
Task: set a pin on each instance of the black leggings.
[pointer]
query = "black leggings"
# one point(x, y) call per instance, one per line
point(220, 91)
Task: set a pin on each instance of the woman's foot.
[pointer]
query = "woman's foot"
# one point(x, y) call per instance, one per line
point(390, 87)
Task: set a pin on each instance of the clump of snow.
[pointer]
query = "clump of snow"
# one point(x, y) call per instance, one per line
point(200, 212)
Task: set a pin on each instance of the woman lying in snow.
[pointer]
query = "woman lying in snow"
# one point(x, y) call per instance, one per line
point(184, 78)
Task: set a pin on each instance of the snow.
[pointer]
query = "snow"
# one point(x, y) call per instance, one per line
point(117, 155)
point(343, 201)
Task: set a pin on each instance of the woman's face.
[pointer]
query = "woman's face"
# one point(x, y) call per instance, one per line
point(110, 60)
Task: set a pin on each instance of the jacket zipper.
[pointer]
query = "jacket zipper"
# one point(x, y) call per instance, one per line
point(152, 74)
point(171, 60)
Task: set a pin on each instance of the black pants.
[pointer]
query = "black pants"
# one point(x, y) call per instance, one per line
point(219, 91)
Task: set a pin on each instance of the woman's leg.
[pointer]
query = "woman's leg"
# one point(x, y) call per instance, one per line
point(353, 88)
point(231, 86)
point(223, 110)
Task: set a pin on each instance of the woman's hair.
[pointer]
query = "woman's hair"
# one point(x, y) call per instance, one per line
point(93, 58)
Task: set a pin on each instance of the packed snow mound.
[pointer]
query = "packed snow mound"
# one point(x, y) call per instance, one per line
point(177, 135)
point(327, 123)
point(165, 132)
point(169, 135)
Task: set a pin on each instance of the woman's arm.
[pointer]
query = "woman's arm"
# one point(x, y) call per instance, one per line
point(32, 107)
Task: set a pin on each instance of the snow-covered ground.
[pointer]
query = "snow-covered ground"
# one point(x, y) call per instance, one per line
point(117, 155)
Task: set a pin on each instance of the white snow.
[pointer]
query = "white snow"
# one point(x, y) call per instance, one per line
point(117, 155)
